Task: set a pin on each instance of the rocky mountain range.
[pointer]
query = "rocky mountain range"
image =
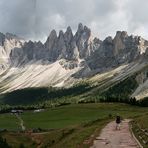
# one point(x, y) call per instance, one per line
point(66, 58)
point(82, 45)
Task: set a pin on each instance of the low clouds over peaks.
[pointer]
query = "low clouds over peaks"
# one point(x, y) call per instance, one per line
point(34, 19)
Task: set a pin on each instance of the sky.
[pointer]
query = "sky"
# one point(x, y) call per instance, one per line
point(34, 19)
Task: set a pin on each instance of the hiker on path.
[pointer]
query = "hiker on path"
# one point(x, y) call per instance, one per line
point(118, 122)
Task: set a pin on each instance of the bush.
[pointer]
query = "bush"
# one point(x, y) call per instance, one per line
point(143, 102)
point(3, 143)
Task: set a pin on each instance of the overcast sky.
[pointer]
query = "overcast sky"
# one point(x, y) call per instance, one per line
point(34, 19)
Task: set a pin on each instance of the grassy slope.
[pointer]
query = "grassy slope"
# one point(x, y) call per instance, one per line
point(140, 128)
point(121, 90)
point(8, 121)
point(71, 125)
point(143, 121)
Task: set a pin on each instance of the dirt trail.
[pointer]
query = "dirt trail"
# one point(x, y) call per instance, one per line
point(112, 138)
point(21, 122)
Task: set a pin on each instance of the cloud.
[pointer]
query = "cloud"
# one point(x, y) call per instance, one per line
point(34, 19)
point(18, 17)
point(138, 18)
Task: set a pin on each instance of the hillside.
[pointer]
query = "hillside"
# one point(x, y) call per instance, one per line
point(112, 86)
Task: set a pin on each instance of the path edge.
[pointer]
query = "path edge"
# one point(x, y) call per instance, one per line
point(133, 135)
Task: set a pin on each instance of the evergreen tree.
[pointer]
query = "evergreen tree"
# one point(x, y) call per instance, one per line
point(3, 143)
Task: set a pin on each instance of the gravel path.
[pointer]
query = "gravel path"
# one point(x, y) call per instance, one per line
point(112, 138)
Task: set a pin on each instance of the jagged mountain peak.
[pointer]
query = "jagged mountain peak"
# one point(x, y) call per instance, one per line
point(8, 42)
point(80, 27)
point(68, 35)
point(11, 36)
point(108, 39)
point(82, 45)
point(52, 35)
point(121, 34)
point(69, 46)
point(61, 33)
point(69, 30)
point(38, 42)
point(30, 42)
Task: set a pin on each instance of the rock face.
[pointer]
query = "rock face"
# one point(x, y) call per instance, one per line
point(114, 52)
point(28, 52)
point(69, 46)
point(63, 46)
point(7, 44)
point(74, 48)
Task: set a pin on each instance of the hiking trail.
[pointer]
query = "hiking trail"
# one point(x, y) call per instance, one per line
point(112, 138)
point(21, 122)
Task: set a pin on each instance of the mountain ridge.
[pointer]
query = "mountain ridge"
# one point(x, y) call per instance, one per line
point(67, 58)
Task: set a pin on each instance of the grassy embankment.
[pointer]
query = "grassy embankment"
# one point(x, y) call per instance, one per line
point(140, 129)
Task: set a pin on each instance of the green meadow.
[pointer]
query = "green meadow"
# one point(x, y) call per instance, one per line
point(9, 122)
point(67, 126)
point(76, 114)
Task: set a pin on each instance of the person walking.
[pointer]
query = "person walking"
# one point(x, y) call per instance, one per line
point(118, 122)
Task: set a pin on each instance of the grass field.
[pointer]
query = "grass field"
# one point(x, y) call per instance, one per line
point(9, 122)
point(143, 121)
point(70, 115)
point(70, 126)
